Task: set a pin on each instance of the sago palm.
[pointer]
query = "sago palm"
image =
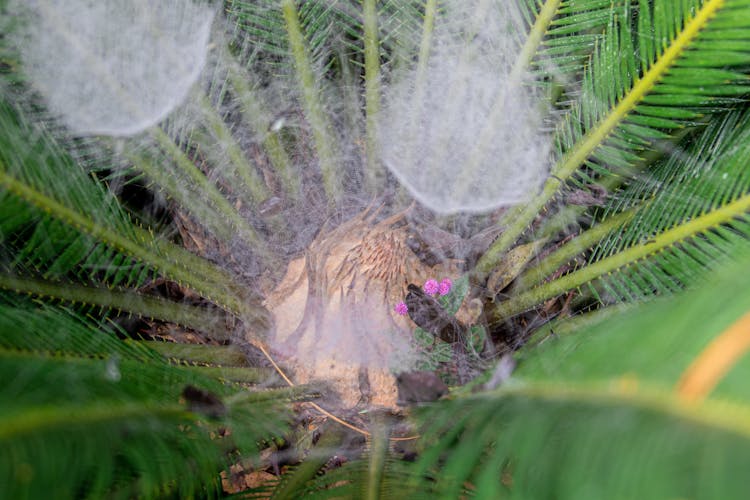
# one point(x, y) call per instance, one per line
point(266, 182)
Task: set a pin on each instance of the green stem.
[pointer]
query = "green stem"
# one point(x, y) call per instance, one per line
point(574, 324)
point(564, 254)
point(224, 355)
point(519, 219)
point(191, 264)
point(420, 81)
point(252, 183)
point(257, 118)
point(378, 452)
point(122, 300)
point(243, 375)
point(206, 188)
point(273, 396)
point(512, 82)
point(179, 191)
point(38, 419)
point(430, 9)
point(321, 129)
point(531, 46)
point(694, 227)
point(374, 174)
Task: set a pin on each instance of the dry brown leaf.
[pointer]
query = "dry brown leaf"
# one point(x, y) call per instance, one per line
point(238, 481)
point(260, 478)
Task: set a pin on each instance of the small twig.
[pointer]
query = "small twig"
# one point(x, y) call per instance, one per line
point(318, 407)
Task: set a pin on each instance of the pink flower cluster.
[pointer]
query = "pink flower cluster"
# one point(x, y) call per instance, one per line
point(401, 308)
point(432, 287)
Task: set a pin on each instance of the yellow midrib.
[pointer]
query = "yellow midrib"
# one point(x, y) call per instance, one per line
point(715, 361)
point(621, 259)
point(640, 88)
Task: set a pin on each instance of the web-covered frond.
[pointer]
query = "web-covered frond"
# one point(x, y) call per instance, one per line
point(703, 173)
point(263, 25)
point(95, 239)
point(400, 25)
point(636, 95)
point(331, 29)
point(38, 244)
point(572, 36)
point(706, 178)
point(687, 217)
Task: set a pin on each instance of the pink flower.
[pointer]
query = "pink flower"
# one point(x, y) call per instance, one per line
point(445, 286)
point(431, 287)
point(401, 308)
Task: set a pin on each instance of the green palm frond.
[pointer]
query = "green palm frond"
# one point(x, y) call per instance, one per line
point(98, 300)
point(602, 412)
point(37, 245)
point(72, 336)
point(574, 29)
point(104, 243)
point(119, 406)
point(708, 173)
point(689, 213)
point(330, 28)
point(636, 93)
point(692, 185)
